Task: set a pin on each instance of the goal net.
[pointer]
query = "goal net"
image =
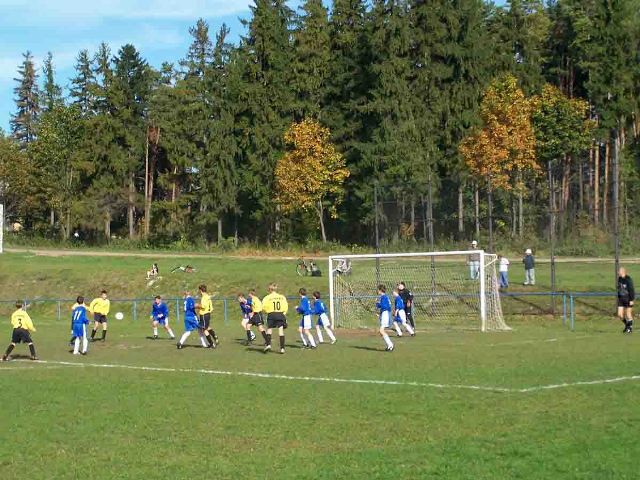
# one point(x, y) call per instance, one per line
point(451, 290)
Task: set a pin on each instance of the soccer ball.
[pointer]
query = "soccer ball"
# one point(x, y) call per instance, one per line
point(119, 316)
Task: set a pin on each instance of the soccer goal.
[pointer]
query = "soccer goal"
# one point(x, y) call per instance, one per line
point(452, 290)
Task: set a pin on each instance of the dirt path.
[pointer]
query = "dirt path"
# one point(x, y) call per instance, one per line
point(51, 252)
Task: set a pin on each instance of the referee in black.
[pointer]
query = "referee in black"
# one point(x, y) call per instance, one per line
point(626, 296)
point(407, 298)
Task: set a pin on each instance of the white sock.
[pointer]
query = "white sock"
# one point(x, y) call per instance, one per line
point(170, 332)
point(409, 329)
point(184, 337)
point(76, 345)
point(155, 331)
point(85, 344)
point(330, 333)
point(387, 340)
point(319, 332)
point(311, 339)
point(397, 327)
point(203, 341)
point(304, 340)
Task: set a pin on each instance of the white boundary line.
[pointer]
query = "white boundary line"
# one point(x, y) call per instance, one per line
point(532, 389)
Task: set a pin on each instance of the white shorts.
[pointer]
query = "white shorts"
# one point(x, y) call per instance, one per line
point(401, 316)
point(306, 322)
point(323, 320)
point(385, 319)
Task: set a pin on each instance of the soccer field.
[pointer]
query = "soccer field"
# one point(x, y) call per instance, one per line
point(539, 401)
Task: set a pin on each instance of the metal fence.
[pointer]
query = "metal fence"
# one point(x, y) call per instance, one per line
point(568, 305)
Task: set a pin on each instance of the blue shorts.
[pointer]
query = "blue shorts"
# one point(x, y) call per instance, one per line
point(79, 330)
point(161, 321)
point(323, 320)
point(191, 324)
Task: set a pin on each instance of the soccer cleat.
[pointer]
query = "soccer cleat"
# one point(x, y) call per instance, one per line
point(155, 337)
point(282, 350)
point(389, 349)
point(334, 341)
point(76, 353)
point(83, 353)
point(6, 358)
point(179, 346)
point(253, 336)
point(267, 348)
point(413, 334)
point(215, 339)
point(33, 357)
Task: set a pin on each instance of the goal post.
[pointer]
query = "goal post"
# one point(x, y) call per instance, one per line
point(452, 290)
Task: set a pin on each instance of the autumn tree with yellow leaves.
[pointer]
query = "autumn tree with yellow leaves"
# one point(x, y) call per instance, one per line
point(311, 173)
point(501, 153)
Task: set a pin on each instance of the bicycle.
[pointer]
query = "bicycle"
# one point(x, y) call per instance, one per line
point(303, 268)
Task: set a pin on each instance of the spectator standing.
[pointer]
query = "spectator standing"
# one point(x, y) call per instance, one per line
point(529, 267)
point(503, 269)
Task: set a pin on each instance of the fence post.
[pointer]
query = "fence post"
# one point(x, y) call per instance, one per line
point(226, 320)
point(135, 310)
point(572, 310)
point(59, 313)
point(564, 309)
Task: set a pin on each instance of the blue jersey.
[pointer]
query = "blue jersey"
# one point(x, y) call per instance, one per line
point(160, 312)
point(383, 304)
point(399, 303)
point(319, 307)
point(245, 307)
point(79, 315)
point(304, 308)
point(190, 309)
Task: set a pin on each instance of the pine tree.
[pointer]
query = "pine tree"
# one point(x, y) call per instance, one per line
point(27, 98)
point(266, 102)
point(51, 95)
point(83, 84)
point(312, 57)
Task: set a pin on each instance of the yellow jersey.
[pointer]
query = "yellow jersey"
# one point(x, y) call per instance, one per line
point(21, 319)
point(256, 305)
point(205, 304)
point(274, 302)
point(100, 305)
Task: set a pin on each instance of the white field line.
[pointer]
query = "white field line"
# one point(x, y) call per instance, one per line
point(483, 388)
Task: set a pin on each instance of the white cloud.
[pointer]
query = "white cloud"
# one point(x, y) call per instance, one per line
point(36, 12)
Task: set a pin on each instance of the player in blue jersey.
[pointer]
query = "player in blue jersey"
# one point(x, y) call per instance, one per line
point(190, 321)
point(160, 316)
point(320, 309)
point(245, 311)
point(79, 322)
point(384, 307)
point(400, 315)
point(304, 309)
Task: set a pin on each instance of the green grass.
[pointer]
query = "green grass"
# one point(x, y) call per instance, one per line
point(95, 422)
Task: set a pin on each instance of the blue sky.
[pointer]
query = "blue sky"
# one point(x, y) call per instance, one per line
point(158, 28)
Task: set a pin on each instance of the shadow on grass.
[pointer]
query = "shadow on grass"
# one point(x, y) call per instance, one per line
point(371, 349)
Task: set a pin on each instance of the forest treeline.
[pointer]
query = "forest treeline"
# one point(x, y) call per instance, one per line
point(448, 120)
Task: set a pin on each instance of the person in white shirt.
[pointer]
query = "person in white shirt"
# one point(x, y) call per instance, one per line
point(474, 262)
point(503, 268)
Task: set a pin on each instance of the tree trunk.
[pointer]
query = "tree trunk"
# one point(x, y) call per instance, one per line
point(67, 227)
point(145, 232)
point(476, 199)
point(596, 185)
point(581, 185)
point(605, 193)
point(147, 207)
point(430, 213)
point(52, 217)
point(460, 210)
point(413, 217)
point(107, 225)
point(219, 229)
point(490, 212)
point(425, 234)
point(131, 207)
point(520, 214)
point(514, 218)
point(320, 211)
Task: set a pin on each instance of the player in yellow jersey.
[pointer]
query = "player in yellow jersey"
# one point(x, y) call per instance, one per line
point(100, 308)
point(22, 329)
point(276, 307)
point(204, 308)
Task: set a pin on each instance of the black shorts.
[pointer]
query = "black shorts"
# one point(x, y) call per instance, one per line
point(256, 319)
point(204, 321)
point(276, 320)
point(21, 335)
point(624, 302)
point(100, 318)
